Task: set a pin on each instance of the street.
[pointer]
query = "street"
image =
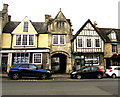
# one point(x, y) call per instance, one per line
point(96, 87)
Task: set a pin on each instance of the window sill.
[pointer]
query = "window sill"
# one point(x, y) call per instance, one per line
point(24, 45)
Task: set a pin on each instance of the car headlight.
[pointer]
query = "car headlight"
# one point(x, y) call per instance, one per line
point(74, 72)
point(48, 71)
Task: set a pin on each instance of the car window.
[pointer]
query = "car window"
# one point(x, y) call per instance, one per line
point(32, 67)
point(24, 66)
point(94, 68)
point(14, 65)
point(86, 69)
point(109, 68)
point(117, 68)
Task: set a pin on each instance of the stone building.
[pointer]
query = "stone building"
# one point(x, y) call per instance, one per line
point(60, 35)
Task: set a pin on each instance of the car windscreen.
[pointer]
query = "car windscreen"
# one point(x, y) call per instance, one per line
point(14, 65)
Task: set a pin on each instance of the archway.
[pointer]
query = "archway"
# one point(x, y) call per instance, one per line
point(58, 63)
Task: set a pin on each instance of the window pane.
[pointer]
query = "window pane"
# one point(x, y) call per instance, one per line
point(55, 39)
point(114, 48)
point(31, 41)
point(18, 39)
point(24, 41)
point(79, 42)
point(25, 29)
point(97, 43)
point(62, 39)
point(37, 58)
point(88, 42)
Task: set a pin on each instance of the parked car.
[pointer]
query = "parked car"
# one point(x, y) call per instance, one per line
point(88, 72)
point(113, 71)
point(22, 69)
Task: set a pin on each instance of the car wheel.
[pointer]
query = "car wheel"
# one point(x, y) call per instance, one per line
point(114, 76)
point(99, 76)
point(15, 76)
point(78, 76)
point(43, 76)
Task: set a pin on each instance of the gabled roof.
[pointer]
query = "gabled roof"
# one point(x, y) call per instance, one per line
point(40, 27)
point(88, 21)
point(107, 31)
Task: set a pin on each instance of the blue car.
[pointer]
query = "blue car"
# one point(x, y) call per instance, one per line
point(23, 69)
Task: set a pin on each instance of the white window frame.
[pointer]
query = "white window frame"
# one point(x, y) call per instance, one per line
point(34, 58)
point(25, 27)
point(99, 43)
point(113, 35)
point(91, 43)
point(79, 37)
point(59, 42)
point(28, 37)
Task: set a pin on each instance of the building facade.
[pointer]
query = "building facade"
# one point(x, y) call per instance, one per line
point(51, 44)
point(88, 46)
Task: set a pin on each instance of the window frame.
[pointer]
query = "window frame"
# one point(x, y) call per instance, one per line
point(34, 58)
point(59, 39)
point(78, 42)
point(22, 37)
point(25, 26)
point(115, 49)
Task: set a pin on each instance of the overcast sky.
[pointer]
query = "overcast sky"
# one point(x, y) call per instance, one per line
point(105, 12)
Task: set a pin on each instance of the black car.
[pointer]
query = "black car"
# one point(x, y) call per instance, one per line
point(23, 69)
point(88, 72)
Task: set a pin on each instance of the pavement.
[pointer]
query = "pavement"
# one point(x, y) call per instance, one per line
point(55, 77)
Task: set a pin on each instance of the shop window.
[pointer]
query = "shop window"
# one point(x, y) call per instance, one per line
point(20, 58)
point(91, 60)
point(37, 58)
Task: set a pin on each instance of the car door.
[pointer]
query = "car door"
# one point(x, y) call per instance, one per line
point(94, 71)
point(33, 70)
point(24, 69)
point(85, 72)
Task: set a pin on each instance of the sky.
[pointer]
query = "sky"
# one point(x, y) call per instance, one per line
point(104, 12)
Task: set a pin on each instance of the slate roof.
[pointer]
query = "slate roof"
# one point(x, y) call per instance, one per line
point(107, 31)
point(40, 27)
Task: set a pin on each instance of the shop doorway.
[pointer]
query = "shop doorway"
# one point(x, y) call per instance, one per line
point(58, 63)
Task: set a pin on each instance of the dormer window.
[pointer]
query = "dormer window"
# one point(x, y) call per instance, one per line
point(113, 35)
point(25, 27)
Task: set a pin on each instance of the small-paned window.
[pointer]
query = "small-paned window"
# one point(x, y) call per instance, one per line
point(88, 42)
point(114, 48)
point(25, 40)
point(37, 58)
point(97, 43)
point(58, 39)
point(79, 42)
point(25, 27)
point(18, 39)
point(60, 24)
point(113, 35)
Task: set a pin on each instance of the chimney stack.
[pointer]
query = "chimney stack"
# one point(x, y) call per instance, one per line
point(5, 7)
point(95, 24)
point(47, 18)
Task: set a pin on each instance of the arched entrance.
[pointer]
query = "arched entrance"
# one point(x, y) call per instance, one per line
point(58, 63)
